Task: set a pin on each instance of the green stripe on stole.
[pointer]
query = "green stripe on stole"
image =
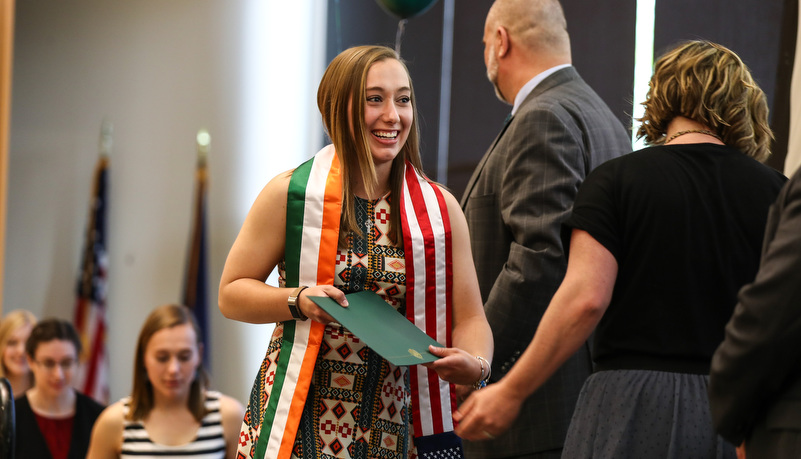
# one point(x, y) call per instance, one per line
point(295, 205)
point(296, 198)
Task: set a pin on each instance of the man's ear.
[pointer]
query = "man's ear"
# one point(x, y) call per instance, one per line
point(503, 41)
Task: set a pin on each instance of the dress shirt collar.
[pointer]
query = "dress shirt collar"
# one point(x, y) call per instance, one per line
point(532, 83)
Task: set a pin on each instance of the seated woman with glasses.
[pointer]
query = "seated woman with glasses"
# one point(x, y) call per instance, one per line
point(53, 420)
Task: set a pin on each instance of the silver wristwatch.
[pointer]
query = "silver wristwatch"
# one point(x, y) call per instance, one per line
point(293, 303)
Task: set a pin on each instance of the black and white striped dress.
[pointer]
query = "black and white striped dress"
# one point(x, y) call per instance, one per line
point(208, 444)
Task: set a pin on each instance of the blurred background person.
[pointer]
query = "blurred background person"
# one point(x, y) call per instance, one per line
point(53, 420)
point(15, 328)
point(662, 239)
point(755, 383)
point(171, 412)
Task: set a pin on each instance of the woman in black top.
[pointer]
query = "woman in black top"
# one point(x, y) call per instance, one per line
point(53, 420)
point(662, 239)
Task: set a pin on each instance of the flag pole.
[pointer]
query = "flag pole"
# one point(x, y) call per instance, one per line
point(87, 264)
point(195, 295)
point(106, 137)
point(90, 307)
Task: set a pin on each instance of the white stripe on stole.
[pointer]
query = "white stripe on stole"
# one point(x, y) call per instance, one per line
point(288, 389)
point(307, 275)
point(438, 227)
point(423, 389)
point(313, 216)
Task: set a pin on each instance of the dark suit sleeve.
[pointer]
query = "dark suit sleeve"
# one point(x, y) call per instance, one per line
point(762, 347)
point(545, 157)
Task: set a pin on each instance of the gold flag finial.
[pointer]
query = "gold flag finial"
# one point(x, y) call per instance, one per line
point(203, 143)
point(106, 137)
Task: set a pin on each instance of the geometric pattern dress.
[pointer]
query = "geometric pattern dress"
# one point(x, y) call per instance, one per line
point(358, 404)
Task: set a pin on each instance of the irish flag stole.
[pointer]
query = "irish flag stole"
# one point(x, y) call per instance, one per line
point(313, 213)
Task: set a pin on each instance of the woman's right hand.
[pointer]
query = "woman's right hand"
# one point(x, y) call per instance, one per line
point(310, 309)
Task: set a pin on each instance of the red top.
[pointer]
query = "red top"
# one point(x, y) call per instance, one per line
point(57, 433)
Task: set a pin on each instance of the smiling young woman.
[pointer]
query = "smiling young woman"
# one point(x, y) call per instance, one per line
point(388, 115)
point(362, 216)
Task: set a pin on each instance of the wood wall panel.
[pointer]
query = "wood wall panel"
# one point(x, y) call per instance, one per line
point(6, 58)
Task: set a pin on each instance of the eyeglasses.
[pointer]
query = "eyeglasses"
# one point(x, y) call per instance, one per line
point(50, 365)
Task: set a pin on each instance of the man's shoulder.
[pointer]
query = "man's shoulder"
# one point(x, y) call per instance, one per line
point(565, 92)
point(574, 104)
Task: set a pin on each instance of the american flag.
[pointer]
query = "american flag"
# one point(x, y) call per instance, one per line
point(90, 307)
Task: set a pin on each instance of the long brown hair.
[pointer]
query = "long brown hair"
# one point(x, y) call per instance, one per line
point(166, 316)
point(343, 85)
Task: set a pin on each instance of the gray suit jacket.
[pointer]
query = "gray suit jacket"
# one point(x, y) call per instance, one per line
point(515, 202)
point(755, 379)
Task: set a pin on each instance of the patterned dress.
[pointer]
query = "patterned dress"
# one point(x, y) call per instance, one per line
point(358, 404)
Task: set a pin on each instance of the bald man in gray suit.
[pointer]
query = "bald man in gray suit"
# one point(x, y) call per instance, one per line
point(518, 197)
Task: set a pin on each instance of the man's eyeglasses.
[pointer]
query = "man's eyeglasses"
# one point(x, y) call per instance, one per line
point(50, 365)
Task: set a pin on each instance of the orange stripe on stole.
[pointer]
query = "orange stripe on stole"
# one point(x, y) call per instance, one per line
point(326, 268)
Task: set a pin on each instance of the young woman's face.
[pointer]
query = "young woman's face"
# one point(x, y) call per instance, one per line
point(171, 360)
point(53, 366)
point(388, 111)
point(14, 359)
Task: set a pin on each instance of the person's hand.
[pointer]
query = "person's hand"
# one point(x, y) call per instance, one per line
point(455, 365)
point(310, 309)
point(487, 413)
point(462, 392)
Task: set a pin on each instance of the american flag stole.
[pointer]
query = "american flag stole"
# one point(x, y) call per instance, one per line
point(313, 215)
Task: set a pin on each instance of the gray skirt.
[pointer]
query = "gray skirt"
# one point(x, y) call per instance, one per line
point(644, 414)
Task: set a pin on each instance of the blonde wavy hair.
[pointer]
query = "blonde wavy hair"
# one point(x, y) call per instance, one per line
point(709, 84)
point(12, 322)
point(343, 85)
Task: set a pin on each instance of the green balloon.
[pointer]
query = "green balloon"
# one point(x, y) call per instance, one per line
point(405, 9)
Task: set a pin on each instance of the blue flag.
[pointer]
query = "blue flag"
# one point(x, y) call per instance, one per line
point(195, 294)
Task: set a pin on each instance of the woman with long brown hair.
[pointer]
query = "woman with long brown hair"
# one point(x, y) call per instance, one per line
point(359, 216)
point(171, 411)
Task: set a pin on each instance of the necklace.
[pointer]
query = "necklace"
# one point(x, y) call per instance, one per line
point(690, 131)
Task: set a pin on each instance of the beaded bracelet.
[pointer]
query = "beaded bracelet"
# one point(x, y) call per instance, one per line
point(482, 380)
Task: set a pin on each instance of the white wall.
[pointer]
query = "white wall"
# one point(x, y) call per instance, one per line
point(159, 70)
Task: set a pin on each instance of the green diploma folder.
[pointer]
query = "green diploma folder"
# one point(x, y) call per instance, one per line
point(381, 327)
